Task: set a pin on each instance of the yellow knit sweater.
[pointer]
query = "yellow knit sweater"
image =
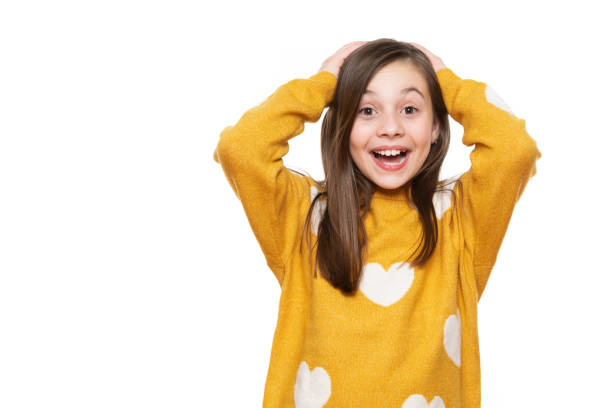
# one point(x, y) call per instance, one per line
point(409, 337)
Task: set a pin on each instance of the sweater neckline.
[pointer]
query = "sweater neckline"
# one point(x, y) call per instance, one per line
point(396, 194)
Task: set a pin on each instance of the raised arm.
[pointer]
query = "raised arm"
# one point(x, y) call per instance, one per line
point(251, 151)
point(503, 161)
point(274, 198)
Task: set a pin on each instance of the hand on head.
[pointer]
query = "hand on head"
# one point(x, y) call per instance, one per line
point(332, 64)
point(434, 59)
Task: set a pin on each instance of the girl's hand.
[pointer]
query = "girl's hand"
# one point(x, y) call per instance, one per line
point(435, 60)
point(333, 63)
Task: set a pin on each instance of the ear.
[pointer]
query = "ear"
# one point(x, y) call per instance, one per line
point(435, 132)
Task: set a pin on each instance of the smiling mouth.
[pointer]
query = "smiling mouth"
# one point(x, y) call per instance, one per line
point(393, 159)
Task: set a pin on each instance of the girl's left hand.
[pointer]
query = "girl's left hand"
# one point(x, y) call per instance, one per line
point(434, 59)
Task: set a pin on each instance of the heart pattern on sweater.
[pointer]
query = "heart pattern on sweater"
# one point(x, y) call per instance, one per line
point(312, 388)
point(386, 287)
point(317, 211)
point(419, 401)
point(442, 199)
point(452, 338)
point(495, 99)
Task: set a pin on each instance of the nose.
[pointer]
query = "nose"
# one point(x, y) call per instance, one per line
point(390, 126)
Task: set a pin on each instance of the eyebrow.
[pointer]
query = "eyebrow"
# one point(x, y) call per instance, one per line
point(403, 91)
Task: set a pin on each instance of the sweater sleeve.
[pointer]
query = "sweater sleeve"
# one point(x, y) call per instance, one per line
point(502, 162)
point(251, 152)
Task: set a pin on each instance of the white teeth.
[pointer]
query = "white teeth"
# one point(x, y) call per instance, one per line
point(389, 152)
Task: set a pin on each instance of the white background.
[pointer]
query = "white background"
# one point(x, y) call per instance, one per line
point(129, 276)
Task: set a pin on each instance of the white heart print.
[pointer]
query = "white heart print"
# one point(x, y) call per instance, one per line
point(419, 401)
point(386, 287)
point(442, 199)
point(452, 338)
point(495, 99)
point(317, 211)
point(312, 388)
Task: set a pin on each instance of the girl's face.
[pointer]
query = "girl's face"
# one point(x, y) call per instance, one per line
point(395, 116)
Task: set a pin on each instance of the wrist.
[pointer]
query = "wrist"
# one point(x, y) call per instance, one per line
point(329, 69)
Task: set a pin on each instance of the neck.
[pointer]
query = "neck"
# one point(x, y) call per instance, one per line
point(397, 194)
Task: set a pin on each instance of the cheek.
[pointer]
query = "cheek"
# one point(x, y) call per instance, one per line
point(358, 145)
point(354, 147)
point(423, 134)
point(421, 156)
point(359, 136)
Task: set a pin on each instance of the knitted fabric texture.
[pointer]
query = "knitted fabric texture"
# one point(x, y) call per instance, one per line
point(409, 336)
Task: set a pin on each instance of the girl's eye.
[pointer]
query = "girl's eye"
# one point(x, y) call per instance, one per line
point(366, 111)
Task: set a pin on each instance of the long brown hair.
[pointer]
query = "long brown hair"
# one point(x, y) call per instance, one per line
point(342, 241)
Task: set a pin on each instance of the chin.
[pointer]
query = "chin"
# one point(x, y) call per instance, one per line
point(391, 185)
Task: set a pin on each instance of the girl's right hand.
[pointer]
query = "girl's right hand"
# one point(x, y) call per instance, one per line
point(333, 63)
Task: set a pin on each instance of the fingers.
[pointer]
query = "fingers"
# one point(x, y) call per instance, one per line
point(355, 44)
point(420, 47)
point(333, 63)
point(350, 47)
point(436, 61)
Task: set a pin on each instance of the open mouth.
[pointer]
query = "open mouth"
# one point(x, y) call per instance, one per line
point(392, 159)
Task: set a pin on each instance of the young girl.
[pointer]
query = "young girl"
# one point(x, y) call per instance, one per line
point(403, 258)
